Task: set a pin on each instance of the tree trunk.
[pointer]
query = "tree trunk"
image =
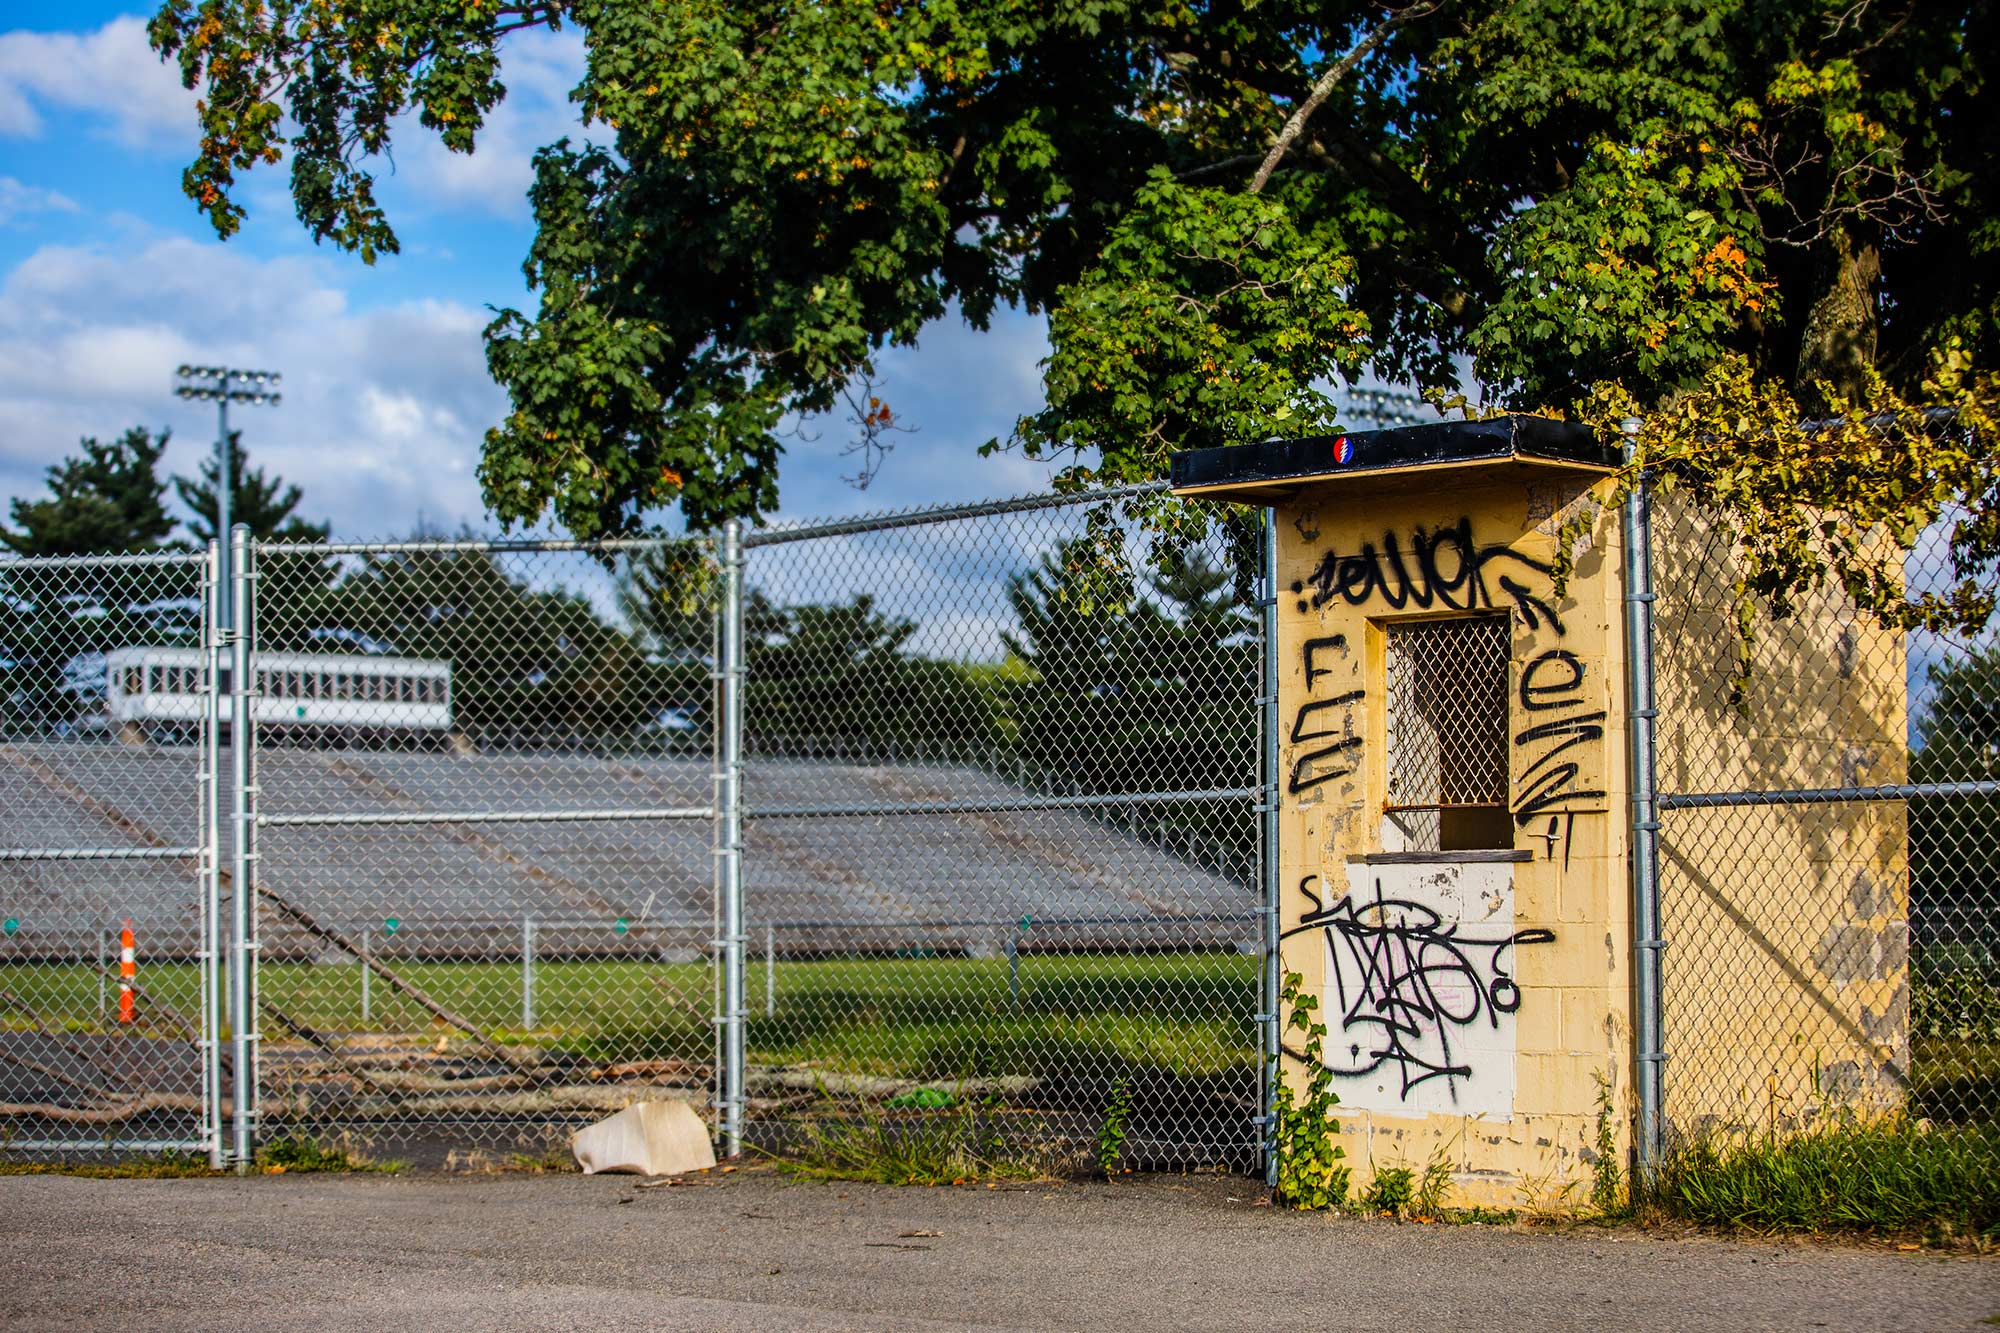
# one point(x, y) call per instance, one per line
point(1838, 342)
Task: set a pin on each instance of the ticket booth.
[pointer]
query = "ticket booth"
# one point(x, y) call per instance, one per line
point(1454, 825)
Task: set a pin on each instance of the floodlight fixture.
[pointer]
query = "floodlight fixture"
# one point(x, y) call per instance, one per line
point(1390, 407)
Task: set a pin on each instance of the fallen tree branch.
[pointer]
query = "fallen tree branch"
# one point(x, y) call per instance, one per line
point(321, 1042)
point(90, 1058)
point(155, 1007)
point(49, 1071)
point(379, 968)
point(104, 1115)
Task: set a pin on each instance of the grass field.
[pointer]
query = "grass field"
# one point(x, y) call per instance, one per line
point(932, 1018)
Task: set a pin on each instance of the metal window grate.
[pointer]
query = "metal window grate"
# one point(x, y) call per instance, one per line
point(1447, 713)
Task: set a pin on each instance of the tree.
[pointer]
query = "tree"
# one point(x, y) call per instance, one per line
point(104, 500)
point(58, 621)
point(838, 680)
point(1747, 210)
point(266, 505)
point(1955, 840)
point(668, 594)
point(1150, 695)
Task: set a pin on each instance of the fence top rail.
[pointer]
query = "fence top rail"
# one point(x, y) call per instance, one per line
point(472, 545)
point(156, 559)
point(809, 529)
point(777, 534)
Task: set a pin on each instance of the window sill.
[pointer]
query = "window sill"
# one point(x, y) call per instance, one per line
point(1440, 858)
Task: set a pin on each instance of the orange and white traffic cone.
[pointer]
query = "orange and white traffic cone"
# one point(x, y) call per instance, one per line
point(128, 973)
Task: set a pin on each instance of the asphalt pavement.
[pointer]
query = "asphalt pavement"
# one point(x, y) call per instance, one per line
point(751, 1250)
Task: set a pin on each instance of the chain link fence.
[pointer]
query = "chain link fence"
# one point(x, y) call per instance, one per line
point(989, 779)
point(996, 828)
point(1829, 861)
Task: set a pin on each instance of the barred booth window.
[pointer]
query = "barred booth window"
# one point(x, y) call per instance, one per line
point(1446, 732)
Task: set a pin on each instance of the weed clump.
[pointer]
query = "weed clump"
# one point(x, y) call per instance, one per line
point(944, 1145)
point(293, 1153)
point(1607, 1177)
point(1391, 1192)
point(1310, 1173)
point(1847, 1174)
point(1111, 1131)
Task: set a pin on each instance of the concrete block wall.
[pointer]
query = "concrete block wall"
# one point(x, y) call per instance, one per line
point(1471, 1011)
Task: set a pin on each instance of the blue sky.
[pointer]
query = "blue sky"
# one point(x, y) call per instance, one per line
point(108, 279)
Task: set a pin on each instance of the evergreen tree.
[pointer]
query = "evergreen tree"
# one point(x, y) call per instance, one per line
point(1154, 696)
point(105, 499)
point(838, 680)
point(1086, 722)
point(267, 505)
point(56, 623)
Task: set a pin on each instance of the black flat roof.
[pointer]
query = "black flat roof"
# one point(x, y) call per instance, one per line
point(1283, 463)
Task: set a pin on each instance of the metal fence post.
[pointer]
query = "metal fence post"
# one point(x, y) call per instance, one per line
point(215, 632)
point(770, 970)
point(1269, 983)
point(1641, 714)
point(527, 974)
point(243, 914)
point(729, 832)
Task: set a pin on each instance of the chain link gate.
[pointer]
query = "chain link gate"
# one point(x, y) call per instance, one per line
point(480, 834)
point(109, 876)
point(1001, 849)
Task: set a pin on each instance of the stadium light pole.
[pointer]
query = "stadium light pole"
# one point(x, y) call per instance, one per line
point(223, 385)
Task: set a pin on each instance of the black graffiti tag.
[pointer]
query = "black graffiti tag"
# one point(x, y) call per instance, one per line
point(1324, 720)
point(1407, 982)
point(1442, 567)
point(1544, 780)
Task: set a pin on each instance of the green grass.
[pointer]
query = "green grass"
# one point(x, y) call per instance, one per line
point(1889, 1176)
point(922, 1018)
point(953, 1018)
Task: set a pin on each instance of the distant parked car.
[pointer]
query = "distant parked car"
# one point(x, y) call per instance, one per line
point(674, 720)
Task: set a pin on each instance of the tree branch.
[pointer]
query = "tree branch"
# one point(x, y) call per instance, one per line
point(1323, 89)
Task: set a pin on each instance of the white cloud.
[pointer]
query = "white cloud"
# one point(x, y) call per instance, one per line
point(18, 200)
point(383, 408)
point(110, 74)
